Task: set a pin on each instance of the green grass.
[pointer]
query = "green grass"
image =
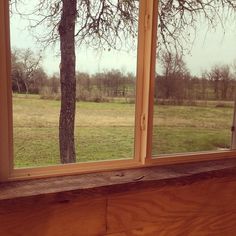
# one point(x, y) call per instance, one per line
point(189, 129)
point(106, 130)
point(103, 131)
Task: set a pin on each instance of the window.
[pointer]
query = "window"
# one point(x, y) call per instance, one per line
point(105, 86)
point(194, 86)
point(117, 124)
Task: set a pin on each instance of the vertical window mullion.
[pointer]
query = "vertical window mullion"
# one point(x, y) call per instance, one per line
point(152, 78)
point(143, 81)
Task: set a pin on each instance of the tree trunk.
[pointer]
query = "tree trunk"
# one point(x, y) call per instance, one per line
point(26, 87)
point(18, 86)
point(68, 81)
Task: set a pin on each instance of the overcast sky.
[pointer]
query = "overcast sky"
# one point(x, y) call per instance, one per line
point(210, 47)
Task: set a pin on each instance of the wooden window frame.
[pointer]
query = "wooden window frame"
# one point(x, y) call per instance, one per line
point(143, 110)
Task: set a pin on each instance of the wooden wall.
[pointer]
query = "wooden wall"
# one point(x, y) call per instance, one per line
point(206, 207)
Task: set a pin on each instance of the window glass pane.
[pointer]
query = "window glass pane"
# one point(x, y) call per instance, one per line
point(105, 75)
point(195, 79)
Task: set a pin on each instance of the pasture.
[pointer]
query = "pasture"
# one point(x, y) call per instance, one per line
point(106, 130)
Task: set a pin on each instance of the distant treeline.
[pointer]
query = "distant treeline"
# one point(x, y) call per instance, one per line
point(30, 78)
point(174, 86)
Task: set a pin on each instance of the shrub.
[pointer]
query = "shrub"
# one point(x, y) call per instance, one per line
point(90, 96)
point(47, 93)
point(224, 105)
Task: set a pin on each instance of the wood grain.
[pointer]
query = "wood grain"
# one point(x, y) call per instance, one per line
point(198, 200)
point(206, 208)
point(53, 218)
point(104, 183)
point(154, 230)
point(6, 161)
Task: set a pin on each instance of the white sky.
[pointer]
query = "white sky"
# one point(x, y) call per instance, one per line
point(209, 48)
point(88, 60)
point(212, 47)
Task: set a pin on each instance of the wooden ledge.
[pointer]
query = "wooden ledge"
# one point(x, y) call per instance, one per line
point(103, 183)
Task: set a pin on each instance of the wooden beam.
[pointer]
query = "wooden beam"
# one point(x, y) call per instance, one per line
point(6, 157)
point(103, 183)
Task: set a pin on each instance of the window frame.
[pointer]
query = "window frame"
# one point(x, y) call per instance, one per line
point(146, 60)
point(6, 155)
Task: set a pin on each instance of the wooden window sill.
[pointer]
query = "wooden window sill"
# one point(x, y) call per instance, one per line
point(103, 183)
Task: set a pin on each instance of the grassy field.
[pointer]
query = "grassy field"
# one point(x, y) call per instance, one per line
point(106, 130)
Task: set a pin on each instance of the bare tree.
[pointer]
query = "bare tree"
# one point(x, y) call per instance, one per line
point(17, 72)
point(68, 81)
point(214, 76)
point(25, 63)
point(226, 78)
point(204, 85)
point(174, 71)
point(221, 79)
point(178, 20)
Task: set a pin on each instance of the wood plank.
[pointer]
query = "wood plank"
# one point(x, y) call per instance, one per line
point(106, 183)
point(140, 80)
point(54, 217)
point(152, 81)
point(147, 231)
point(205, 208)
point(143, 91)
point(6, 155)
point(174, 230)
